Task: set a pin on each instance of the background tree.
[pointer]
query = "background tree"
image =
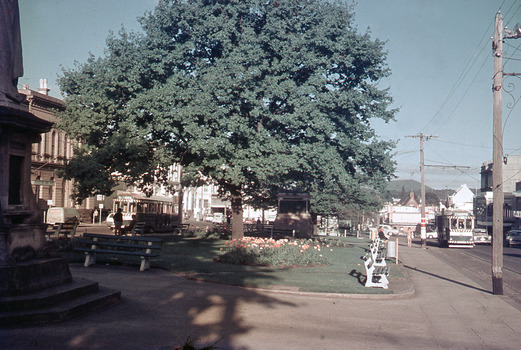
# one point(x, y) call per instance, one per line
point(256, 95)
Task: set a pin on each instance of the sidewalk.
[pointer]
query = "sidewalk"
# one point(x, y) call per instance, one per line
point(160, 310)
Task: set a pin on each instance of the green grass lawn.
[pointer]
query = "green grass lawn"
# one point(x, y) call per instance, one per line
point(195, 258)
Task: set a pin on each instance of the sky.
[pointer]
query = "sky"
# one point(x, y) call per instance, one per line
point(439, 53)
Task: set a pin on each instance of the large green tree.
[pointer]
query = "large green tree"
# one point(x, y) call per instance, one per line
point(257, 95)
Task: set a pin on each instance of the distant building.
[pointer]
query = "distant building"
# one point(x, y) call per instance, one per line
point(51, 153)
point(410, 201)
point(483, 201)
point(511, 174)
point(463, 199)
point(406, 213)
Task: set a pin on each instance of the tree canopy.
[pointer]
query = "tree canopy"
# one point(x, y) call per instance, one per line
point(256, 95)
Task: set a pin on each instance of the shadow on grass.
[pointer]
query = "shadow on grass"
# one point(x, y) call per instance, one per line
point(359, 276)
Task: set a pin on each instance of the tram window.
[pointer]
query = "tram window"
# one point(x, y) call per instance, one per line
point(469, 224)
point(454, 223)
point(461, 224)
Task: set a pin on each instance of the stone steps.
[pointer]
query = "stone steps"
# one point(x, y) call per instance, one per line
point(56, 303)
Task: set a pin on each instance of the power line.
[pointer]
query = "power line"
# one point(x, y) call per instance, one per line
point(461, 144)
point(464, 73)
point(473, 58)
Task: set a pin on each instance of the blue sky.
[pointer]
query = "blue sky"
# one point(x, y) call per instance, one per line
point(439, 53)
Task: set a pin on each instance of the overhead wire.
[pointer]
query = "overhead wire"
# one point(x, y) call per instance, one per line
point(472, 61)
point(506, 60)
point(474, 58)
point(514, 14)
point(465, 93)
point(464, 73)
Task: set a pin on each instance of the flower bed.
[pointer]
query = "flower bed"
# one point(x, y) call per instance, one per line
point(270, 252)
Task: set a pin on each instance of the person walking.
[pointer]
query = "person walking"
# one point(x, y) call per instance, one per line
point(409, 237)
point(95, 216)
point(118, 222)
point(382, 235)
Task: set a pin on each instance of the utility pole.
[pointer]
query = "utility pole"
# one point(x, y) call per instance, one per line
point(497, 154)
point(497, 161)
point(423, 226)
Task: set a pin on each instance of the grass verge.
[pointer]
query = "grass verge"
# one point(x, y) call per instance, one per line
point(195, 258)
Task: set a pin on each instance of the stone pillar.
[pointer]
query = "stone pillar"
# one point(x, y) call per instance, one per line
point(22, 233)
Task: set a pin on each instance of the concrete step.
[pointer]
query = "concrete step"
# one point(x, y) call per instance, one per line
point(48, 296)
point(81, 299)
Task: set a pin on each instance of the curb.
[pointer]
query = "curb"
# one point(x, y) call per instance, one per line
point(404, 290)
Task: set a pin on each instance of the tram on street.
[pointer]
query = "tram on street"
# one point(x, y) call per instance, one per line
point(159, 213)
point(455, 229)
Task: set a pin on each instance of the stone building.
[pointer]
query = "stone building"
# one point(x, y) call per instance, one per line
point(51, 153)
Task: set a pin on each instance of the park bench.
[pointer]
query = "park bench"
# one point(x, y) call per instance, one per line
point(138, 229)
point(180, 228)
point(375, 266)
point(93, 244)
point(376, 274)
point(64, 229)
point(378, 250)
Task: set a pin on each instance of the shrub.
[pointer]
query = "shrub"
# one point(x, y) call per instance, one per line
point(270, 252)
point(333, 242)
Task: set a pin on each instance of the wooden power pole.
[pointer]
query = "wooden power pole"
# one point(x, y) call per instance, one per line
point(497, 161)
point(423, 226)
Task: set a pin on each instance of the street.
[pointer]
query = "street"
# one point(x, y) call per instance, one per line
point(476, 264)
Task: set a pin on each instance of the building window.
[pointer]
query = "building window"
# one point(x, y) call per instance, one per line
point(56, 145)
point(53, 143)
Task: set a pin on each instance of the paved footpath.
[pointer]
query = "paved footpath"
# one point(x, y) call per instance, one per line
point(160, 310)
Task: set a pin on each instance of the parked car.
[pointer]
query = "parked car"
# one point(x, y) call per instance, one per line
point(388, 230)
point(56, 215)
point(514, 238)
point(218, 218)
point(481, 236)
point(432, 234)
point(127, 217)
point(208, 217)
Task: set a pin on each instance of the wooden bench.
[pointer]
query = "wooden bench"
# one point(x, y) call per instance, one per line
point(93, 244)
point(378, 250)
point(64, 229)
point(376, 274)
point(375, 266)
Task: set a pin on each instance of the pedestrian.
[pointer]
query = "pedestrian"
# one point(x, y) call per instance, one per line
point(118, 221)
point(381, 234)
point(95, 216)
point(409, 237)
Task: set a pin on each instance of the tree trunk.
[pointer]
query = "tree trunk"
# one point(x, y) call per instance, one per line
point(237, 218)
point(180, 198)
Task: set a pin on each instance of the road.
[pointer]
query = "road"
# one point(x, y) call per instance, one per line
point(476, 264)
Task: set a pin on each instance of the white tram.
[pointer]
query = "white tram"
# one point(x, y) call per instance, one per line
point(455, 229)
